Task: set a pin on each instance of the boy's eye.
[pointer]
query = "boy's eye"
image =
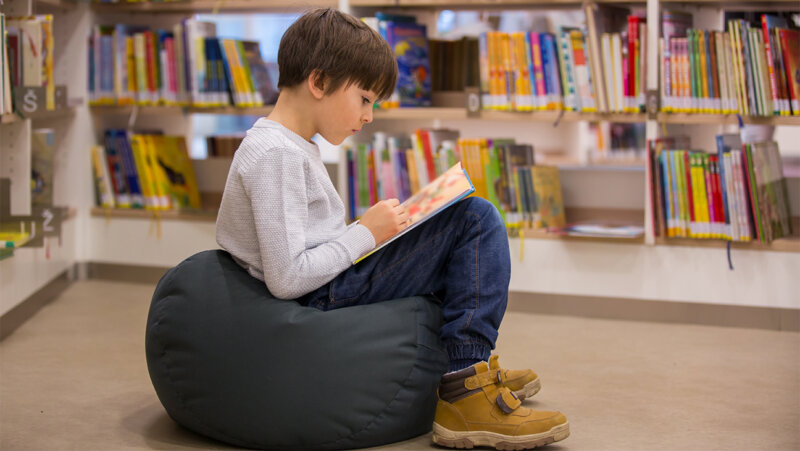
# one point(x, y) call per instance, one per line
point(365, 100)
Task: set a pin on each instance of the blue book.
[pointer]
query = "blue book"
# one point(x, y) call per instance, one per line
point(550, 68)
point(410, 45)
point(125, 152)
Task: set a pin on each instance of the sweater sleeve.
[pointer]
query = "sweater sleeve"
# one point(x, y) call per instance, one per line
point(277, 188)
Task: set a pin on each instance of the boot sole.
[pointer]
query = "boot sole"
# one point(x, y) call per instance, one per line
point(530, 389)
point(470, 439)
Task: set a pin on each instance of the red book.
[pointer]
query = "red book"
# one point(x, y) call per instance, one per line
point(633, 37)
point(425, 139)
point(152, 65)
point(718, 189)
point(790, 43)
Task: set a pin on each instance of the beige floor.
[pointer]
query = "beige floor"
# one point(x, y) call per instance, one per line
point(74, 377)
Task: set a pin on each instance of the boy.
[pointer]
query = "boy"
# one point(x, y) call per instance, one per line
point(282, 220)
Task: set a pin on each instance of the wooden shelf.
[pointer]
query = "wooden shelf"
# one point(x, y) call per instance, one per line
point(721, 119)
point(179, 110)
point(167, 215)
point(61, 112)
point(9, 118)
point(789, 244)
point(542, 234)
point(67, 4)
point(205, 6)
point(431, 113)
point(482, 4)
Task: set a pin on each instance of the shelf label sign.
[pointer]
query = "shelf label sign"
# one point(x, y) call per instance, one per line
point(473, 97)
point(31, 100)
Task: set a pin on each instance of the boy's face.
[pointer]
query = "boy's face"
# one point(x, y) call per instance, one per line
point(344, 112)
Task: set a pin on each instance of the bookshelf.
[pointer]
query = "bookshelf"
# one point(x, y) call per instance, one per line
point(32, 268)
point(642, 268)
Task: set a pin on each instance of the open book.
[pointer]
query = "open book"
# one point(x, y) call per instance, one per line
point(450, 187)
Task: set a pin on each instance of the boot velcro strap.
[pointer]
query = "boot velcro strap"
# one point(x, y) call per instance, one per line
point(507, 401)
point(482, 380)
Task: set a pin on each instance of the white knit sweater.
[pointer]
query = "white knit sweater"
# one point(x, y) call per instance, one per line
point(281, 218)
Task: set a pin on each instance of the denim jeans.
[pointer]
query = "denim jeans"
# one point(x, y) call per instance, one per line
point(460, 255)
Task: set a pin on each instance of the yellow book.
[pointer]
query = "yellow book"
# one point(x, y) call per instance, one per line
point(507, 70)
point(48, 45)
point(413, 176)
point(139, 149)
point(174, 160)
point(482, 154)
point(241, 94)
point(102, 178)
point(161, 182)
point(695, 228)
point(548, 198)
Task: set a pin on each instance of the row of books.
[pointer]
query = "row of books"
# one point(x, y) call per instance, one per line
point(599, 68)
point(26, 57)
point(502, 171)
point(149, 171)
point(737, 194)
point(745, 70)
point(188, 65)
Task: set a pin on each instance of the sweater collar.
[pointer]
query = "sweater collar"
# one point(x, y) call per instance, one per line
point(309, 147)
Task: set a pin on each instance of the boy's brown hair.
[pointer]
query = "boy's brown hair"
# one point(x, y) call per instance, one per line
point(342, 48)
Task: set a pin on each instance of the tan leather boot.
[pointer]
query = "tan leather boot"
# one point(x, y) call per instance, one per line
point(476, 409)
point(524, 383)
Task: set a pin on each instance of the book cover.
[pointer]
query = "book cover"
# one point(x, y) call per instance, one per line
point(547, 197)
point(42, 152)
point(172, 158)
point(444, 191)
point(410, 45)
point(102, 179)
point(258, 72)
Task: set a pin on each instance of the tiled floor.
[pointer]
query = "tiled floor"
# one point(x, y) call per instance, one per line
point(75, 377)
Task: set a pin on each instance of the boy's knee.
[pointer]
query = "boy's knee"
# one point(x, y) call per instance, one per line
point(485, 210)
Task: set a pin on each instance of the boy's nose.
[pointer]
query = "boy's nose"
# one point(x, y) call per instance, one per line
point(367, 118)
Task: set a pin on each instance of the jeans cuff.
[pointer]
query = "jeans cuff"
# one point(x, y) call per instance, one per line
point(468, 350)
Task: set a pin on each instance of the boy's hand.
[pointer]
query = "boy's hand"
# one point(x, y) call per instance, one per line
point(385, 219)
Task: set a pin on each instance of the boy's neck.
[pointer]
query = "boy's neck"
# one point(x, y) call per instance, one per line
point(294, 110)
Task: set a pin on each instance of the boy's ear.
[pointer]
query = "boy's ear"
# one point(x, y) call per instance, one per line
point(316, 84)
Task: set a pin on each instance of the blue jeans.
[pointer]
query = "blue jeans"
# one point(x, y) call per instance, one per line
point(460, 255)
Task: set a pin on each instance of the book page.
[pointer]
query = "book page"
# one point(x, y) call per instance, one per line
point(445, 190)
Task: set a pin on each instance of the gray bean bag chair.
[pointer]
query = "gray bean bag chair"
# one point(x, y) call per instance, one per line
point(231, 362)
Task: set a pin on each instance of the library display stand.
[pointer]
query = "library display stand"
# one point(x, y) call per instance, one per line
point(641, 269)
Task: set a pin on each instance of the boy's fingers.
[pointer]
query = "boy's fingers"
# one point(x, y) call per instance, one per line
point(392, 202)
